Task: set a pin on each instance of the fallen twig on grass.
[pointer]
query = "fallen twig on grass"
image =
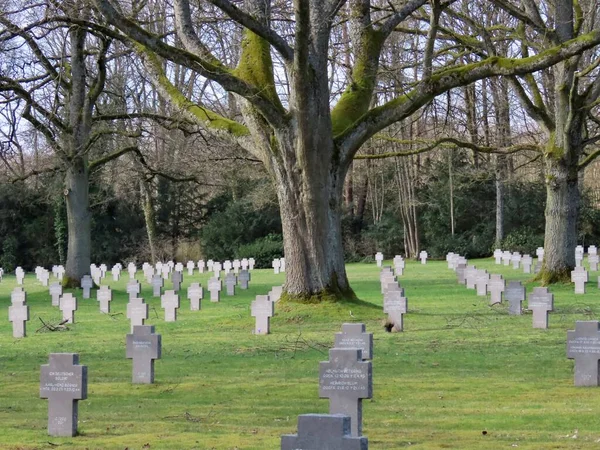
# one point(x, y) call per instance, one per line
point(52, 327)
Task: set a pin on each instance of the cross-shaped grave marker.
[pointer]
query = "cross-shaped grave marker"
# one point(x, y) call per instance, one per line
point(157, 285)
point(214, 287)
point(190, 267)
point(227, 267)
point(450, 260)
point(230, 283)
point(461, 270)
point(593, 261)
point(482, 278)
point(276, 264)
point(395, 305)
point(583, 345)
point(86, 284)
point(498, 256)
point(63, 382)
point(195, 294)
point(236, 266)
point(116, 272)
point(177, 279)
point(540, 301)
point(423, 257)
point(20, 275)
point(131, 269)
point(244, 264)
point(354, 335)
point(578, 255)
point(137, 311)
point(323, 431)
point(217, 269)
point(133, 289)
point(56, 290)
point(170, 303)
point(540, 253)
point(104, 297)
point(209, 264)
point(399, 265)
point(143, 347)
point(496, 287)
point(244, 278)
point(68, 306)
point(516, 260)
point(201, 266)
point(514, 294)
point(18, 312)
point(262, 309)
point(471, 277)
point(275, 293)
point(379, 258)
point(251, 263)
point(506, 256)
point(60, 272)
point(346, 380)
point(282, 262)
point(44, 277)
point(526, 262)
point(579, 276)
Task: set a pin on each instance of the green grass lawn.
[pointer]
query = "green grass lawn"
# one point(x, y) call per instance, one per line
point(462, 375)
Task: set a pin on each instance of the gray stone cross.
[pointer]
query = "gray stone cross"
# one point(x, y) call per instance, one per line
point(244, 278)
point(514, 294)
point(482, 278)
point(86, 284)
point(516, 260)
point(170, 303)
point(460, 273)
point(323, 431)
point(137, 311)
point(275, 293)
point(18, 312)
point(579, 276)
point(540, 301)
point(143, 346)
point(583, 345)
point(68, 306)
point(157, 285)
point(262, 309)
point(214, 287)
point(133, 289)
point(395, 305)
point(230, 283)
point(526, 262)
point(593, 261)
point(496, 287)
point(56, 290)
point(471, 277)
point(104, 296)
point(177, 279)
point(346, 380)
point(195, 294)
point(354, 335)
point(63, 382)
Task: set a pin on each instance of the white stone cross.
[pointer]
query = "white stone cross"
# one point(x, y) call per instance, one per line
point(201, 266)
point(170, 303)
point(423, 257)
point(137, 311)
point(104, 297)
point(262, 309)
point(116, 273)
point(18, 312)
point(68, 306)
point(276, 264)
point(540, 301)
point(379, 258)
point(190, 267)
point(498, 256)
point(251, 263)
point(214, 287)
point(56, 290)
point(579, 276)
point(236, 266)
point(195, 294)
point(227, 266)
point(496, 286)
point(157, 285)
point(133, 289)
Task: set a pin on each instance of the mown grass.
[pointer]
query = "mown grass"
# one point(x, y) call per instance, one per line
point(462, 375)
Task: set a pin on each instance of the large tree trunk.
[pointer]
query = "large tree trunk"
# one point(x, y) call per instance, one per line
point(79, 223)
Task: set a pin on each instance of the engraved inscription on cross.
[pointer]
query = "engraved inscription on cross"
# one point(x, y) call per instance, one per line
point(540, 301)
point(143, 346)
point(583, 345)
point(346, 380)
point(354, 335)
point(63, 382)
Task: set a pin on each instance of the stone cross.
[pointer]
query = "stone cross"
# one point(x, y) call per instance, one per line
point(158, 266)
point(471, 277)
point(178, 267)
point(133, 289)
point(578, 255)
point(262, 309)
point(149, 273)
point(195, 294)
point(166, 271)
point(346, 380)
point(526, 262)
point(157, 285)
point(230, 283)
point(514, 294)
point(236, 266)
point(482, 278)
point(423, 257)
point(496, 287)
point(201, 266)
point(537, 267)
point(593, 262)
point(244, 278)
point(56, 290)
point(214, 287)
point(386, 276)
point(516, 260)
point(395, 306)
point(86, 284)
point(209, 264)
point(20, 274)
point(131, 269)
point(506, 256)
point(379, 258)
point(44, 277)
point(170, 303)
point(63, 382)
point(137, 311)
point(282, 262)
point(177, 279)
point(190, 267)
point(275, 293)
point(540, 253)
point(498, 256)
point(251, 263)
point(68, 306)
point(104, 296)
point(143, 347)
point(103, 269)
point(540, 301)
point(60, 272)
point(18, 312)
point(399, 265)
point(116, 273)
point(323, 431)
point(354, 335)
point(217, 269)
point(244, 264)
point(583, 345)
point(460, 273)
point(579, 276)
point(276, 266)
point(450, 260)
point(592, 250)
point(227, 266)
